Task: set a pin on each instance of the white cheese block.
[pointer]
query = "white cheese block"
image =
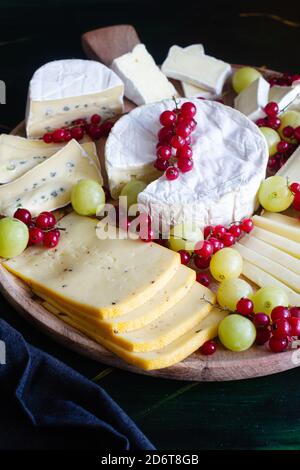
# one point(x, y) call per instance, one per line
point(280, 272)
point(283, 219)
point(105, 277)
point(144, 82)
point(279, 227)
point(200, 70)
point(189, 90)
point(48, 186)
point(253, 99)
point(264, 279)
point(288, 246)
point(291, 169)
point(64, 90)
point(230, 157)
point(18, 155)
point(284, 95)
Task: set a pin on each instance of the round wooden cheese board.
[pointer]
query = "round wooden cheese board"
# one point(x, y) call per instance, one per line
point(224, 364)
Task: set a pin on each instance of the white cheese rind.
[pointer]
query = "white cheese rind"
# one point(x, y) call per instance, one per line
point(144, 82)
point(189, 90)
point(291, 168)
point(64, 90)
point(284, 95)
point(253, 99)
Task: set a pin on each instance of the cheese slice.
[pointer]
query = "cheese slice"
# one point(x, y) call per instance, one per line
point(288, 246)
point(291, 168)
point(253, 99)
point(144, 82)
point(166, 298)
point(264, 279)
point(189, 90)
point(269, 251)
point(275, 226)
point(19, 155)
point(283, 219)
point(64, 90)
point(167, 356)
point(283, 95)
point(107, 277)
point(48, 186)
point(280, 272)
point(201, 70)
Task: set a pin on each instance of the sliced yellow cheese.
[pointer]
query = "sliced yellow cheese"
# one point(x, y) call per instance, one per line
point(263, 279)
point(283, 219)
point(271, 252)
point(167, 356)
point(106, 277)
point(48, 186)
point(275, 226)
point(164, 299)
point(282, 273)
point(286, 245)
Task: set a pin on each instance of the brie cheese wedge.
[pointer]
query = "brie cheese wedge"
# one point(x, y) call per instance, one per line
point(144, 82)
point(284, 95)
point(189, 90)
point(65, 90)
point(230, 157)
point(253, 99)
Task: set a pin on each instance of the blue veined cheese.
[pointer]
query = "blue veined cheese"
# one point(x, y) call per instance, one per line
point(19, 155)
point(47, 186)
point(64, 90)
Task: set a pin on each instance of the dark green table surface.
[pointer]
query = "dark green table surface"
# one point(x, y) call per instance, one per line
point(253, 414)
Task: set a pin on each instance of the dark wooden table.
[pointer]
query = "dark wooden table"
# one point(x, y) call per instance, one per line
point(255, 414)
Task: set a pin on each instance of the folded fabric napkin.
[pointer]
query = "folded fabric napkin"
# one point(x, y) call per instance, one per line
point(43, 402)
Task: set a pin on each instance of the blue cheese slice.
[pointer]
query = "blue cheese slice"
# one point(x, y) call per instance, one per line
point(47, 186)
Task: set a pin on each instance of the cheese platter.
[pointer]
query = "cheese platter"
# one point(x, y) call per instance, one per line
point(196, 139)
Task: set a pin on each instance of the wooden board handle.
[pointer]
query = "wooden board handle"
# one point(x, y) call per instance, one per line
point(105, 44)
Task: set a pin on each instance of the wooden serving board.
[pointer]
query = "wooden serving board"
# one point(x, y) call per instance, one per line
point(105, 44)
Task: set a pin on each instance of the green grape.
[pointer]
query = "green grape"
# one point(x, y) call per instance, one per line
point(184, 237)
point(87, 197)
point(272, 137)
point(267, 298)
point(231, 291)
point(236, 332)
point(226, 264)
point(131, 190)
point(243, 77)
point(14, 237)
point(289, 118)
point(274, 194)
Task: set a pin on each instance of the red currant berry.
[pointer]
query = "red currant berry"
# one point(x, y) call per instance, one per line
point(183, 130)
point(164, 135)
point(261, 122)
point(45, 220)
point(295, 78)
point(164, 152)
point(295, 188)
point(77, 133)
point(288, 131)
point(295, 326)
point(219, 231)
point(216, 243)
point(58, 135)
point(295, 312)
point(261, 320)
point(235, 230)
point(247, 225)
point(94, 131)
point(167, 118)
point(208, 348)
point(184, 256)
point(57, 232)
point(177, 142)
point(23, 215)
point(273, 163)
point(192, 124)
point(204, 249)
point(188, 140)
point(278, 344)
point(188, 109)
point(262, 336)
point(48, 138)
point(271, 109)
point(79, 122)
point(297, 133)
point(185, 164)
point(296, 202)
point(280, 313)
point(273, 122)
point(105, 128)
point(184, 152)
point(95, 119)
point(228, 239)
point(201, 263)
point(50, 239)
point(172, 173)
point(281, 328)
point(203, 279)
point(161, 165)
point(68, 136)
point(207, 231)
point(282, 146)
point(244, 306)
point(36, 235)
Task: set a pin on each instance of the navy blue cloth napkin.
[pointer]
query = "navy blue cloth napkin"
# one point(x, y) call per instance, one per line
point(56, 407)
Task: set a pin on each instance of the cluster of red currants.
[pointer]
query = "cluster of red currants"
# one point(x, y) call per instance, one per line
point(295, 189)
point(285, 79)
point(174, 152)
point(78, 129)
point(279, 330)
point(41, 229)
